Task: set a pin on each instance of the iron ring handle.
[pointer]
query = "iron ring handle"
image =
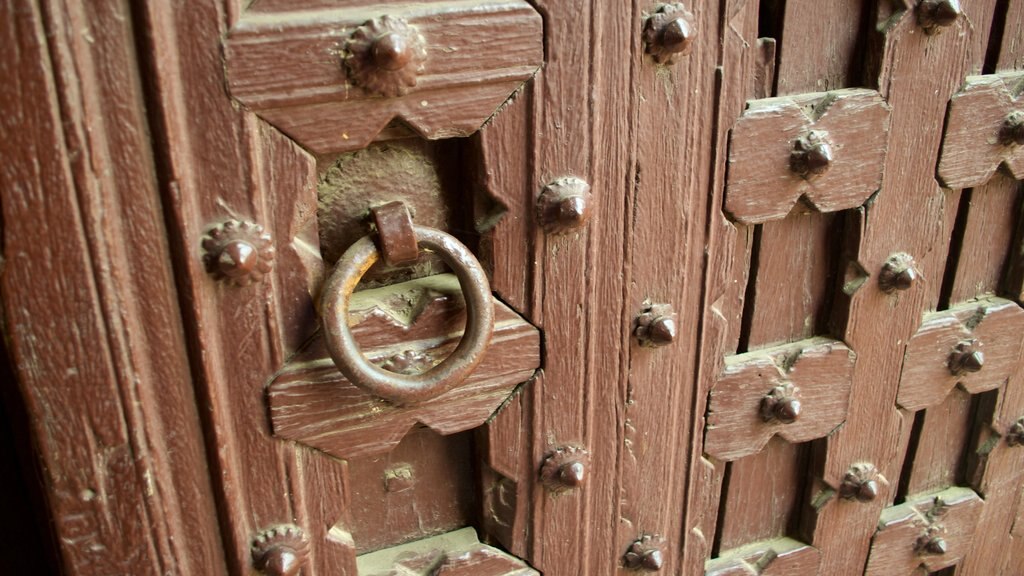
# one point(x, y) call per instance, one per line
point(402, 388)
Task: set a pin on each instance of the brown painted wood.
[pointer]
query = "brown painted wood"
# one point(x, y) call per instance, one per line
point(154, 129)
point(972, 150)
point(311, 401)
point(874, 323)
point(903, 532)
point(762, 185)
point(818, 369)
point(288, 66)
point(994, 325)
point(90, 313)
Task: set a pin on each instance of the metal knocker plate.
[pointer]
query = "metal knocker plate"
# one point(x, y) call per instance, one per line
point(401, 388)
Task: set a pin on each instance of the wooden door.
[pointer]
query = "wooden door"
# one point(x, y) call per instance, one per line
point(753, 269)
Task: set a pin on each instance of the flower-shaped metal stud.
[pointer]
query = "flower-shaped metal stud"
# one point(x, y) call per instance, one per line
point(239, 253)
point(669, 32)
point(565, 468)
point(646, 553)
point(385, 56)
point(280, 551)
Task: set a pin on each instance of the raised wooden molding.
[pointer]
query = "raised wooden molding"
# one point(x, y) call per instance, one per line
point(409, 326)
point(820, 369)
point(995, 325)
point(289, 68)
point(457, 553)
point(900, 544)
point(768, 558)
point(762, 186)
point(972, 149)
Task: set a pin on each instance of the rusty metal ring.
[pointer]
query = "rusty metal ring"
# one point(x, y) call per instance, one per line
point(401, 388)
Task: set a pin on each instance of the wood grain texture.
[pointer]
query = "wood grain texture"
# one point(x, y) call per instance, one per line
point(993, 467)
point(874, 324)
point(972, 150)
point(997, 327)
point(289, 67)
point(728, 266)
point(987, 244)
point(762, 186)
point(312, 402)
point(945, 436)
point(89, 310)
point(456, 553)
point(771, 557)
point(220, 162)
point(820, 369)
point(671, 105)
point(953, 516)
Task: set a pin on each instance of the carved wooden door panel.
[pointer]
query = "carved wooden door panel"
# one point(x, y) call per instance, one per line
point(508, 287)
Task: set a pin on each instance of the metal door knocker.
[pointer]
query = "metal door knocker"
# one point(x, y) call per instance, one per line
point(400, 244)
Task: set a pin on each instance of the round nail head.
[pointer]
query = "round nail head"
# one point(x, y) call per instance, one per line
point(662, 331)
point(787, 410)
point(572, 474)
point(937, 546)
point(867, 491)
point(676, 36)
point(652, 561)
point(281, 561)
point(391, 51)
point(237, 259)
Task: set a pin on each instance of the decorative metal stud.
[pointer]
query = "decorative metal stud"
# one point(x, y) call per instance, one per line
point(564, 205)
point(860, 482)
point(781, 404)
point(898, 273)
point(646, 553)
point(1015, 435)
point(932, 542)
point(239, 253)
point(966, 358)
point(280, 551)
point(669, 32)
point(385, 56)
point(565, 469)
point(936, 15)
point(811, 155)
point(655, 326)
point(1012, 130)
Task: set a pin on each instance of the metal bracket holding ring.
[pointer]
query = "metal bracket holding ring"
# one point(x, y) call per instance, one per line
point(400, 243)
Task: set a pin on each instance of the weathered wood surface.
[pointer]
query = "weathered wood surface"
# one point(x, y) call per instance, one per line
point(651, 140)
point(312, 402)
point(220, 162)
point(904, 531)
point(767, 558)
point(457, 553)
point(762, 184)
point(818, 369)
point(91, 317)
point(289, 67)
point(994, 326)
point(875, 324)
point(972, 150)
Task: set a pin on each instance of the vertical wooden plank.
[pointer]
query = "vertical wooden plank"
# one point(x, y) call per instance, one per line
point(562, 134)
point(945, 435)
point(1000, 550)
point(89, 305)
point(987, 238)
point(796, 267)
point(220, 162)
point(764, 495)
point(917, 73)
point(741, 71)
point(668, 211)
